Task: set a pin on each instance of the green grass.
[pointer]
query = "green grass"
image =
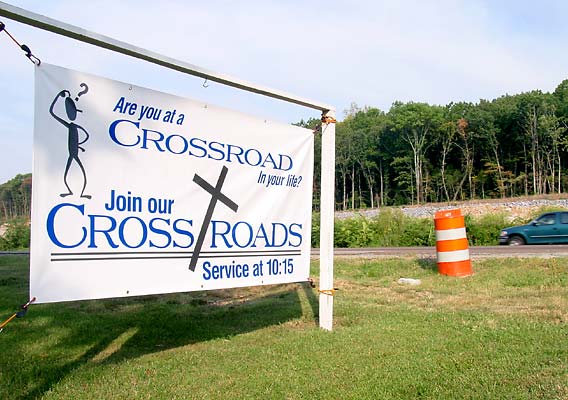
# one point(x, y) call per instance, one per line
point(500, 334)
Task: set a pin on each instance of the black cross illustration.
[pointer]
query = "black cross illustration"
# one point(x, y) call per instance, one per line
point(215, 195)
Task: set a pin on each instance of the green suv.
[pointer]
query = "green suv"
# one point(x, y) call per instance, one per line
point(549, 228)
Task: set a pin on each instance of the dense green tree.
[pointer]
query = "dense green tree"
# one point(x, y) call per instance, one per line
point(15, 197)
point(416, 152)
point(417, 124)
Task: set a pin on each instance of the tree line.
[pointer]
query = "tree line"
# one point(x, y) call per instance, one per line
point(416, 152)
point(15, 197)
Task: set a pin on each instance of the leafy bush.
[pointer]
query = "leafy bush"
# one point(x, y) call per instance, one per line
point(418, 232)
point(315, 229)
point(391, 228)
point(484, 231)
point(352, 232)
point(387, 228)
point(16, 237)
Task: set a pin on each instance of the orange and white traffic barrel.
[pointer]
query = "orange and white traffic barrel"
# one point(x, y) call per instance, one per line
point(451, 243)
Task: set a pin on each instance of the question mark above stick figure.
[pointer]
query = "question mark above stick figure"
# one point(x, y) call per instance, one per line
point(82, 92)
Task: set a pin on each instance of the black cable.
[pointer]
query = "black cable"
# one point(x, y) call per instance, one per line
point(25, 48)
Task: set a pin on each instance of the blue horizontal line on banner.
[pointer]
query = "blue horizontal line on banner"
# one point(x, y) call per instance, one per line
point(135, 256)
point(102, 253)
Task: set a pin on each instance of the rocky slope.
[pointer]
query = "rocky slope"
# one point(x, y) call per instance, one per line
point(518, 208)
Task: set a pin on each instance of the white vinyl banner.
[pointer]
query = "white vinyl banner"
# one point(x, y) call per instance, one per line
point(139, 192)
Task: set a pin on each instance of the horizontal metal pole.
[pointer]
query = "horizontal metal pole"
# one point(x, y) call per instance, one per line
point(74, 32)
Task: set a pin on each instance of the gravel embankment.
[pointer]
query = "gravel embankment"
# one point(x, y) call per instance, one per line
point(522, 208)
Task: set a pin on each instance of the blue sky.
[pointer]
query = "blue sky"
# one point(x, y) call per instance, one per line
point(338, 52)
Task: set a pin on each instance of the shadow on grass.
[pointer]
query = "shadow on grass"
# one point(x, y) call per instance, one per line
point(429, 264)
point(313, 301)
point(56, 339)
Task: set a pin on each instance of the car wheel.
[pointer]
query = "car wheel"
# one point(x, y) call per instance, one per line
point(516, 241)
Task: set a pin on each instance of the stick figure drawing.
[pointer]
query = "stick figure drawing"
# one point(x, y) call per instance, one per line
point(73, 142)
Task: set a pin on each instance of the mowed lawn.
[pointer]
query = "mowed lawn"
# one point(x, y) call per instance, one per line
point(500, 334)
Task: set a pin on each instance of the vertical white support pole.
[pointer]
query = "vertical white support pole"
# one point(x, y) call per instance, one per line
point(327, 209)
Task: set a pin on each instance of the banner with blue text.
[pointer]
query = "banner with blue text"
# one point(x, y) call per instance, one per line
point(139, 192)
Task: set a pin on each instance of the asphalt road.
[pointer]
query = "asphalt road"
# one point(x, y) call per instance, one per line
point(541, 251)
